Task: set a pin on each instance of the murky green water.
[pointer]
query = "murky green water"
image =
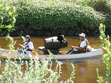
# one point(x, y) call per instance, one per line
point(85, 71)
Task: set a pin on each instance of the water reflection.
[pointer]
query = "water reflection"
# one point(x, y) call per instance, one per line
point(86, 71)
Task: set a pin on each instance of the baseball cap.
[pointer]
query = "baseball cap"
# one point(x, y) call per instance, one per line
point(82, 35)
point(27, 36)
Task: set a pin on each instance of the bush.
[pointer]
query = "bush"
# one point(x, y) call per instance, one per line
point(54, 14)
point(58, 17)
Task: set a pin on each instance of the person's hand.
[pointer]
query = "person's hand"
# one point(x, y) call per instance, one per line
point(21, 45)
point(73, 47)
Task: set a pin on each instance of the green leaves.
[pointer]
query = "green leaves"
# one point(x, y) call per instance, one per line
point(100, 79)
point(10, 13)
point(7, 17)
point(106, 57)
point(12, 43)
point(55, 14)
point(33, 71)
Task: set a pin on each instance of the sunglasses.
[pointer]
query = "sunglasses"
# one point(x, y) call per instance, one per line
point(26, 37)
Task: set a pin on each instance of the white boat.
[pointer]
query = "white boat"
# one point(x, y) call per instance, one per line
point(94, 53)
point(4, 54)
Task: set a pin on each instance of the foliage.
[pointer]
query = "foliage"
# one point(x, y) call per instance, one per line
point(33, 71)
point(103, 6)
point(36, 15)
point(39, 15)
point(100, 78)
point(12, 43)
point(7, 17)
point(106, 57)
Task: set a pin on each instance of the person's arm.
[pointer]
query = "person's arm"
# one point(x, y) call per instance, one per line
point(21, 45)
point(82, 45)
point(76, 47)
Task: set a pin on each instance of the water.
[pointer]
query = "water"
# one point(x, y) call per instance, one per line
point(85, 71)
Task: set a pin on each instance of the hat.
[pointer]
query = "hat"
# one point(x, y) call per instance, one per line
point(27, 36)
point(82, 35)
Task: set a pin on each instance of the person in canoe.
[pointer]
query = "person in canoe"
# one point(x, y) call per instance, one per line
point(27, 47)
point(82, 47)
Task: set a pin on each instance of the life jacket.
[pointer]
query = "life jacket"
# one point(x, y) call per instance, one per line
point(26, 45)
point(86, 47)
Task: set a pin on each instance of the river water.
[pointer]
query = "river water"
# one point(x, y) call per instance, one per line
point(85, 71)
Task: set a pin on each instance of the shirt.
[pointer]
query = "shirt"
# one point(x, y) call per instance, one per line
point(29, 45)
point(83, 44)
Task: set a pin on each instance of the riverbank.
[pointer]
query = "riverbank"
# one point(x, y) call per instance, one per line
point(55, 32)
point(71, 32)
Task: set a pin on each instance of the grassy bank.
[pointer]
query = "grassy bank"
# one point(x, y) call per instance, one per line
point(74, 16)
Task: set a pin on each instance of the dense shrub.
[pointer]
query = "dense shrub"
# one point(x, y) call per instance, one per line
point(57, 17)
point(34, 15)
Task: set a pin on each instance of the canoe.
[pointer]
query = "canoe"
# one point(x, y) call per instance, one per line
point(14, 55)
point(94, 53)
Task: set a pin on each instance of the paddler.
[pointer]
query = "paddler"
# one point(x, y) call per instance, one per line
point(27, 47)
point(82, 47)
